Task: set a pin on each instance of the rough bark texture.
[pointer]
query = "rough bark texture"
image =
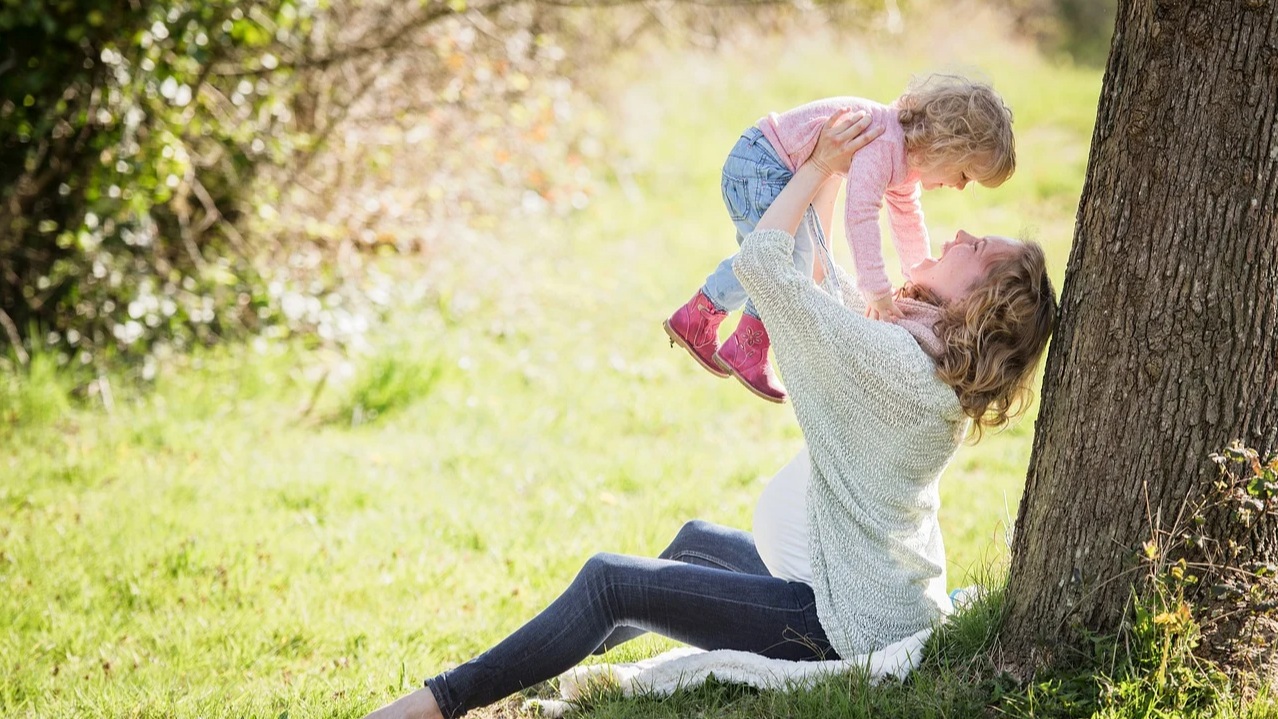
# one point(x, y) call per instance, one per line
point(1168, 342)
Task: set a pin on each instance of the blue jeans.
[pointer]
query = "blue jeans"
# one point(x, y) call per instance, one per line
point(753, 176)
point(709, 588)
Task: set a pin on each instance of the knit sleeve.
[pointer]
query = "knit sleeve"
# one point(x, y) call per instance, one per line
point(809, 328)
point(868, 178)
point(909, 234)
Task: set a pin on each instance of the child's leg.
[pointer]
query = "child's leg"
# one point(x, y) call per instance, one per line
point(753, 176)
point(745, 354)
point(750, 173)
point(722, 286)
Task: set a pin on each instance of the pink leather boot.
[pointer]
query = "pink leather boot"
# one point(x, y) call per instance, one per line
point(695, 327)
point(745, 356)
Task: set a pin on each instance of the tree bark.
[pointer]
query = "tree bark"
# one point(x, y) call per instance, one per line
point(1167, 347)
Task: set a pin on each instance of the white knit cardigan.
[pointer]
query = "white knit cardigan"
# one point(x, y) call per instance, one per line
point(880, 428)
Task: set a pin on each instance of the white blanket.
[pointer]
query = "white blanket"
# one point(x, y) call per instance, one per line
point(688, 667)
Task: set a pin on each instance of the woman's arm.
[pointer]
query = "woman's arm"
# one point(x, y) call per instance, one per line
point(797, 313)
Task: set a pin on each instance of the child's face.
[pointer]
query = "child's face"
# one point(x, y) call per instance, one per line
point(934, 177)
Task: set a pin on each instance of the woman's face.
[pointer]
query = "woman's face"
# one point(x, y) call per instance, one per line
point(963, 263)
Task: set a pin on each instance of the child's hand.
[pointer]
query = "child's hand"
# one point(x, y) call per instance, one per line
point(843, 134)
point(884, 309)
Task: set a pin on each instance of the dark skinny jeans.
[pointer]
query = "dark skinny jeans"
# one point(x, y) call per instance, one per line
point(709, 589)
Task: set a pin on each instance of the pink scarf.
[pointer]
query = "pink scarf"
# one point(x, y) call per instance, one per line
point(920, 319)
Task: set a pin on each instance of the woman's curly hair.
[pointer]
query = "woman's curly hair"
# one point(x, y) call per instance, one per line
point(994, 336)
point(954, 122)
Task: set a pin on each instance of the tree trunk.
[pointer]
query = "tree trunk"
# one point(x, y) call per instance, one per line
point(1168, 341)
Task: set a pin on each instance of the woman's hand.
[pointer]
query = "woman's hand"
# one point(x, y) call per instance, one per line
point(841, 136)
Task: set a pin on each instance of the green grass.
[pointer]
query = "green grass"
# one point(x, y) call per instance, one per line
point(388, 382)
point(269, 532)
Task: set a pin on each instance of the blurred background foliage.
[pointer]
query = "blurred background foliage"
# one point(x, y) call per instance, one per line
point(178, 172)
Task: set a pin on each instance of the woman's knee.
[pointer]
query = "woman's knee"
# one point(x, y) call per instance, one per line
point(685, 538)
point(601, 568)
point(691, 535)
point(606, 580)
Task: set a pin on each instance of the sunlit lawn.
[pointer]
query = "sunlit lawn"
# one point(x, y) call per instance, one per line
point(210, 548)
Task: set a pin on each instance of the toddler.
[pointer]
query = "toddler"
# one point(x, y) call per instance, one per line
point(944, 131)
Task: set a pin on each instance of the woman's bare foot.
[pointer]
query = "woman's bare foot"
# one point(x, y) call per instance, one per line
point(418, 705)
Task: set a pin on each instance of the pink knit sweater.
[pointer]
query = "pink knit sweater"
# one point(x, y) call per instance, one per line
point(878, 173)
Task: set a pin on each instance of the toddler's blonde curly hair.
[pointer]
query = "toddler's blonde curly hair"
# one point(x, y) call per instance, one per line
point(953, 122)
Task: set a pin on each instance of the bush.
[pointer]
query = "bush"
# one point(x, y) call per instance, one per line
point(174, 172)
point(127, 143)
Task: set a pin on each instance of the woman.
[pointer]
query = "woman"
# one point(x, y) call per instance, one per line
point(849, 556)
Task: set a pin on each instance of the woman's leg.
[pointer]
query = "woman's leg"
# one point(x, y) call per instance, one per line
point(705, 544)
point(706, 607)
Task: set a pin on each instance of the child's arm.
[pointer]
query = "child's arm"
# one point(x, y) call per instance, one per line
point(909, 233)
point(868, 176)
